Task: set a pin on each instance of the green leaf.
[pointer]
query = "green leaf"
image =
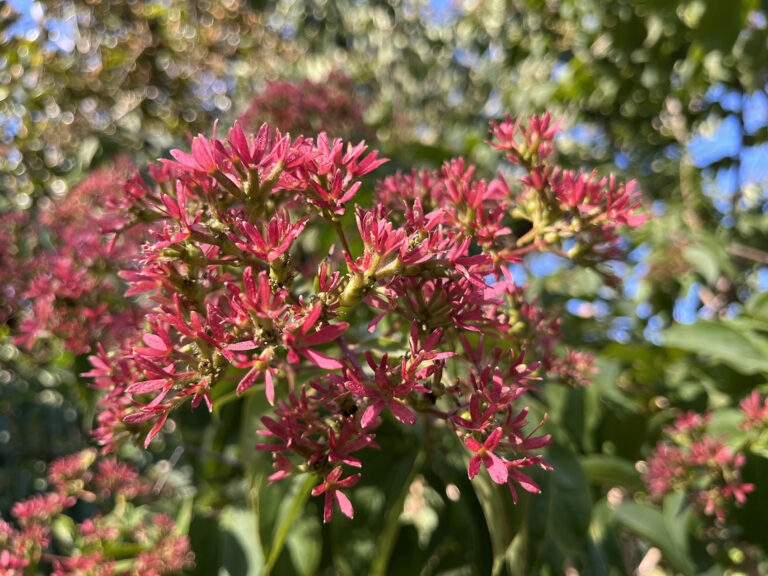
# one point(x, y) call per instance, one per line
point(207, 549)
point(240, 548)
point(611, 471)
point(571, 501)
point(727, 422)
point(88, 149)
point(391, 526)
point(515, 553)
point(649, 523)
point(558, 519)
point(63, 530)
point(492, 501)
point(184, 516)
point(757, 306)
point(305, 544)
point(703, 261)
point(289, 510)
point(721, 341)
point(678, 515)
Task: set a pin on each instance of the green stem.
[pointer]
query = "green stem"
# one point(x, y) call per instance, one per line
point(388, 536)
point(340, 231)
point(299, 500)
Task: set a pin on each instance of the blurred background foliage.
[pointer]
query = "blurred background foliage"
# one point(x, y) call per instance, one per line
point(671, 93)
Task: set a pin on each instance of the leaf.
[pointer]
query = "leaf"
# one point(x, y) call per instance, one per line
point(390, 529)
point(206, 547)
point(558, 519)
point(611, 471)
point(571, 501)
point(305, 544)
point(677, 518)
point(184, 516)
point(720, 25)
point(88, 149)
point(63, 530)
point(727, 422)
point(703, 261)
point(366, 543)
point(515, 553)
point(240, 547)
point(289, 510)
point(648, 522)
point(491, 498)
point(721, 341)
point(757, 306)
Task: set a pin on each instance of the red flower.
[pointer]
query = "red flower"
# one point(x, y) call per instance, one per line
point(755, 410)
point(497, 468)
point(332, 493)
point(537, 139)
point(259, 365)
point(277, 238)
point(385, 394)
point(203, 157)
point(300, 342)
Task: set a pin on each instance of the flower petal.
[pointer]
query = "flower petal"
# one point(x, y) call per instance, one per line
point(474, 467)
point(402, 412)
point(328, 508)
point(496, 468)
point(320, 359)
point(371, 413)
point(344, 504)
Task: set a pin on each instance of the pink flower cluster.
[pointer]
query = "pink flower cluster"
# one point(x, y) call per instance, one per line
point(574, 214)
point(71, 279)
point(102, 482)
point(692, 459)
point(309, 107)
point(251, 291)
point(755, 410)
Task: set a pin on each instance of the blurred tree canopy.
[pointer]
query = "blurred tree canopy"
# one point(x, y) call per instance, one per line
point(87, 80)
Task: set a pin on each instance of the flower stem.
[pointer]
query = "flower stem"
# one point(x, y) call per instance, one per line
point(388, 536)
point(299, 499)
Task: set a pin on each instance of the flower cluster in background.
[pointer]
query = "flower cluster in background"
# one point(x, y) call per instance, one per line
point(68, 263)
point(309, 107)
point(93, 520)
point(706, 465)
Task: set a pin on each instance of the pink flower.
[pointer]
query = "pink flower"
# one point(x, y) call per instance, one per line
point(336, 173)
point(348, 441)
point(11, 564)
point(384, 393)
point(259, 366)
point(157, 412)
point(250, 151)
point(755, 410)
point(70, 471)
point(333, 494)
point(41, 508)
point(204, 158)
point(521, 479)
point(277, 238)
point(259, 300)
point(497, 467)
point(300, 341)
point(537, 139)
point(229, 302)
